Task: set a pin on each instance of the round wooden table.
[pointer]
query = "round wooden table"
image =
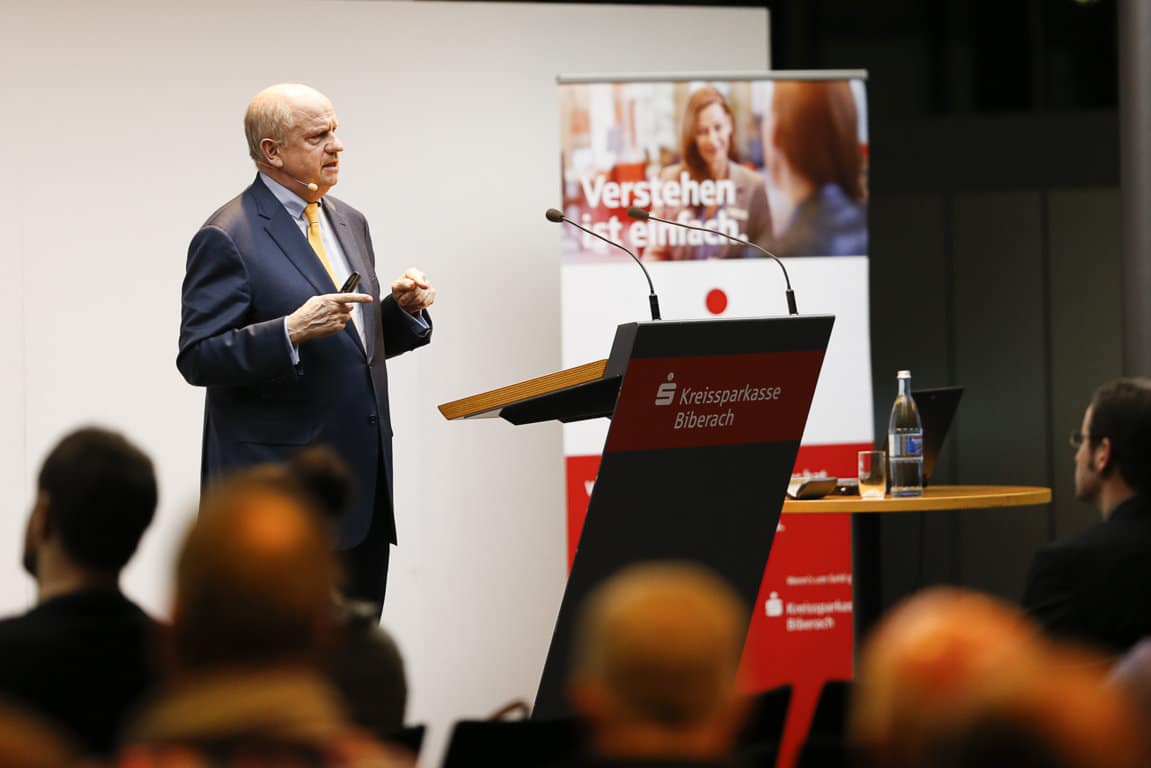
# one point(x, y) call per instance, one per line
point(865, 555)
point(935, 498)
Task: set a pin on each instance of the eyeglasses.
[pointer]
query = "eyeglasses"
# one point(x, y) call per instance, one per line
point(1076, 439)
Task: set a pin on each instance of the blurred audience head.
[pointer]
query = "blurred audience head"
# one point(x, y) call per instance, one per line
point(324, 477)
point(96, 495)
point(254, 579)
point(657, 650)
point(1115, 447)
point(1132, 673)
point(814, 130)
point(927, 663)
point(1063, 714)
point(28, 742)
point(953, 678)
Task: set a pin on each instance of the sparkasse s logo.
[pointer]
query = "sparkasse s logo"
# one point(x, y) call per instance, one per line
point(665, 395)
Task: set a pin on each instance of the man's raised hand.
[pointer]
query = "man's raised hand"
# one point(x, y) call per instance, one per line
point(413, 291)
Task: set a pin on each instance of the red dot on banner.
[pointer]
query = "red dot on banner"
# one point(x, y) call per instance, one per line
point(716, 301)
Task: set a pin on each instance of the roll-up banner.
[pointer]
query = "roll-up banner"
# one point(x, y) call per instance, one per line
point(779, 160)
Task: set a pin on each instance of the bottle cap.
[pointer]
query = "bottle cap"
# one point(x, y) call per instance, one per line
point(903, 375)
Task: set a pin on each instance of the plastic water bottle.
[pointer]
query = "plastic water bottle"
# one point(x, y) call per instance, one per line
point(905, 442)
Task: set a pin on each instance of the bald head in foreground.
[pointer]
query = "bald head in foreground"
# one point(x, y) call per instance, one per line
point(956, 679)
point(253, 621)
point(254, 580)
point(288, 355)
point(657, 650)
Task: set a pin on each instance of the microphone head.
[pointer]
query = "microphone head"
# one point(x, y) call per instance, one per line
point(638, 213)
point(312, 186)
point(554, 215)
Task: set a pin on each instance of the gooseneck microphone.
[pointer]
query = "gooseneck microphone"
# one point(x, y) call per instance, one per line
point(641, 215)
point(558, 217)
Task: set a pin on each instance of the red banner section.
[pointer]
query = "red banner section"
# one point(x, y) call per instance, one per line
point(687, 402)
point(581, 474)
point(801, 628)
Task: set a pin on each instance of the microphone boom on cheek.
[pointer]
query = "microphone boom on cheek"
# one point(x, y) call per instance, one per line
point(308, 185)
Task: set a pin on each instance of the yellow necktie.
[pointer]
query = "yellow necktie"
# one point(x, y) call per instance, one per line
point(312, 214)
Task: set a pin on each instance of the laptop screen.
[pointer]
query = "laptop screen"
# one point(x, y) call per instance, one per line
point(936, 411)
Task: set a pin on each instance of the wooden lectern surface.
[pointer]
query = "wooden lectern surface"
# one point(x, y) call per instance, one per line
point(524, 390)
point(934, 499)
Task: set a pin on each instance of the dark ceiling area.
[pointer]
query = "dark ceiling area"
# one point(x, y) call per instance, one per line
point(955, 56)
point(972, 55)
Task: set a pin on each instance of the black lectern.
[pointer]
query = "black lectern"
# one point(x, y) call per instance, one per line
point(707, 417)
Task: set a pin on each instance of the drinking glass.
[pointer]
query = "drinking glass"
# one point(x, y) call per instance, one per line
point(872, 474)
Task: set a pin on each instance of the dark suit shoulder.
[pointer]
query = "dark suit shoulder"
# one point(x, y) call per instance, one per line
point(16, 631)
point(255, 204)
point(343, 209)
point(55, 621)
point(1126, 533)
point(1086, 541)
point(1084, 561)
point(1092, 587)
point(81, 661)
point(228, 214)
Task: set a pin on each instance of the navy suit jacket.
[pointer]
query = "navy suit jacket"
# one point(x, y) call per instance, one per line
point(248, 267)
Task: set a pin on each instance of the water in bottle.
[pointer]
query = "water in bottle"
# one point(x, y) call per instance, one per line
point(905, 442)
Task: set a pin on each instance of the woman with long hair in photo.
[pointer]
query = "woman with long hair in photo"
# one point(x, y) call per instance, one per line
point(738, 198)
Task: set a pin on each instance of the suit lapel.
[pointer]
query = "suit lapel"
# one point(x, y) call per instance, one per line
point(287, 235)
point(356, 254)
point(291, 241)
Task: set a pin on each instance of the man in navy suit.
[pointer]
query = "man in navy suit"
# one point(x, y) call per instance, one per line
point(1095, 587)
point(287, 359)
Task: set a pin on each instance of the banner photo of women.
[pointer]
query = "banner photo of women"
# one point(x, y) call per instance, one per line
point(782, 164)
point(773, 162)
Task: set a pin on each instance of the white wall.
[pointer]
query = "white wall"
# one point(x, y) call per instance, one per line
point(123, 119)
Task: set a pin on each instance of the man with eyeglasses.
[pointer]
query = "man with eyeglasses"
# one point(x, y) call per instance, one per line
point(1095, 587)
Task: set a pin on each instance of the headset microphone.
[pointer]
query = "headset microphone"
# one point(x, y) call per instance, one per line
point(308, 185)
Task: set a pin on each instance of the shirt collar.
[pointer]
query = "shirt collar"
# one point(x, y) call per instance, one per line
point(292, 202)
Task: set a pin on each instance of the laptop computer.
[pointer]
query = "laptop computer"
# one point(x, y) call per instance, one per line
point(937, 408)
